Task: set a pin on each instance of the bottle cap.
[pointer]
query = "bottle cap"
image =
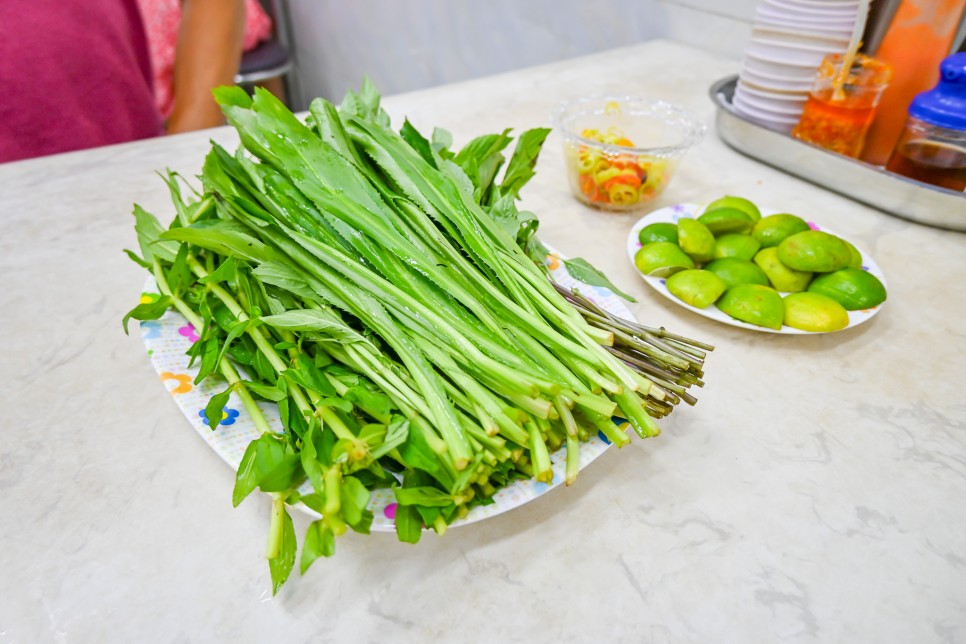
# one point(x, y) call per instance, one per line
point(945, 104)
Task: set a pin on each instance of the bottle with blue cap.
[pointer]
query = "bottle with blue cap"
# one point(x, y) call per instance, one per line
point(932, 148)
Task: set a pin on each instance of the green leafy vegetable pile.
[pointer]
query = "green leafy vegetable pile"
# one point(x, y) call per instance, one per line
point(382, 290)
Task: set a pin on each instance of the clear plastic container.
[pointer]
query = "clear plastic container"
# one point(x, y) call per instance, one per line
point(841, 106)
point(621, 151)
point(932, 147)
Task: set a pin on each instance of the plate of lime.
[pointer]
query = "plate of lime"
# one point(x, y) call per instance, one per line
point(756, 268)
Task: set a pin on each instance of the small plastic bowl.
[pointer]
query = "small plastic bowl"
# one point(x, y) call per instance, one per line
point(778, 108)
point(620, 152)
point(767, 94)
point(760, 81)
point(800, 37)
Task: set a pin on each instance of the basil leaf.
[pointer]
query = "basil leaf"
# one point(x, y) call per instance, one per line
point(314, 501)
point(179, 275)
point(581, 270)
point(216, 407)
point(425, 496)
point(225, 238)
point(234, 331)
point(281, 566)
point(224, 273)
point(319, 542)
point(246, 478)
point(264, 456)
point(396, 435)
point(264, 391)
point(374, 403)
point(409, 525)
point(284, 475)
point(307, 375)
point(147, 311)
point(149, 231)
point(137, 260)
point(355, 498)
point(246, 294)
point(297, 423)
point(337, 403)
point(372, 434)
point(309, 457)
point(209, 358)
point(314, 320)
point(418, 454)
point(428, 514)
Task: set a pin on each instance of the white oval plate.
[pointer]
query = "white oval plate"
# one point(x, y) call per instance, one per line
point(169, 338)
point(671, 214)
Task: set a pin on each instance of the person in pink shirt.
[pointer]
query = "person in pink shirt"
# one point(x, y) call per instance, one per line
point(77, 73)
point(167, 38)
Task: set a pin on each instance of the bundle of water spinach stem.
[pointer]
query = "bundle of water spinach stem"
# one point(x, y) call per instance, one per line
point(387, 294)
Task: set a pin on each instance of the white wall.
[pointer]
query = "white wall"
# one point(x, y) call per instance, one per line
point(718, 26)
point(411, 44)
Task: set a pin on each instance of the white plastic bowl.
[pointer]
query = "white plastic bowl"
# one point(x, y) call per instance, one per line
point(780, 46)
point(776, 72)
point(782, 125)
point(766, 120)
point(800, 37)
point(752, 78)
point(819, 5)
point(744, 106)
point(773, 107)
point(789, 72)
point(803, 22)
point(786, 7)
point(790, 98)
point(787, 55)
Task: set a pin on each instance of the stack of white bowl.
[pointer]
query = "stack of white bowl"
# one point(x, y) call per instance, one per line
point(789, 40)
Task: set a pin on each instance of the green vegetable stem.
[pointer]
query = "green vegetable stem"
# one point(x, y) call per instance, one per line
point(386, 294)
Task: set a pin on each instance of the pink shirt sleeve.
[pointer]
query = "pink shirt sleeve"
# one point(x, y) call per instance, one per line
point(75, 74)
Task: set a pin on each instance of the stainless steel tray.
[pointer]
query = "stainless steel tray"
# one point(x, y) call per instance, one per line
point(869, 184)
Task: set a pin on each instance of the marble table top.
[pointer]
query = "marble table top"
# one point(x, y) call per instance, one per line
point(816, 493)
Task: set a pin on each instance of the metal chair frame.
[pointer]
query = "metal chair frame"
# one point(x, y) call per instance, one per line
point(280, 26)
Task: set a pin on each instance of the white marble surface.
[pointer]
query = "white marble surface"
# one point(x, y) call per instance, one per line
point(815, 494)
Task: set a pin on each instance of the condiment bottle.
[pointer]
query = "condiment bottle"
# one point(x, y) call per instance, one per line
point(932, 147)
point(841, 104)
point(918, 38)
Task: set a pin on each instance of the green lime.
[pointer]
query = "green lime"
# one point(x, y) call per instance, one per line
point(696, 287)
point(755, 304)
point(853, 288)
point(739, 203)
point(855, 257)
point(660, 259)
point(736, 245)
point(726, 220)
point(814, 250)
point(771, 230)
point(695, 239)
point(784, 279)
point(662, 231)
point(814, 312)
point(736, 271)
